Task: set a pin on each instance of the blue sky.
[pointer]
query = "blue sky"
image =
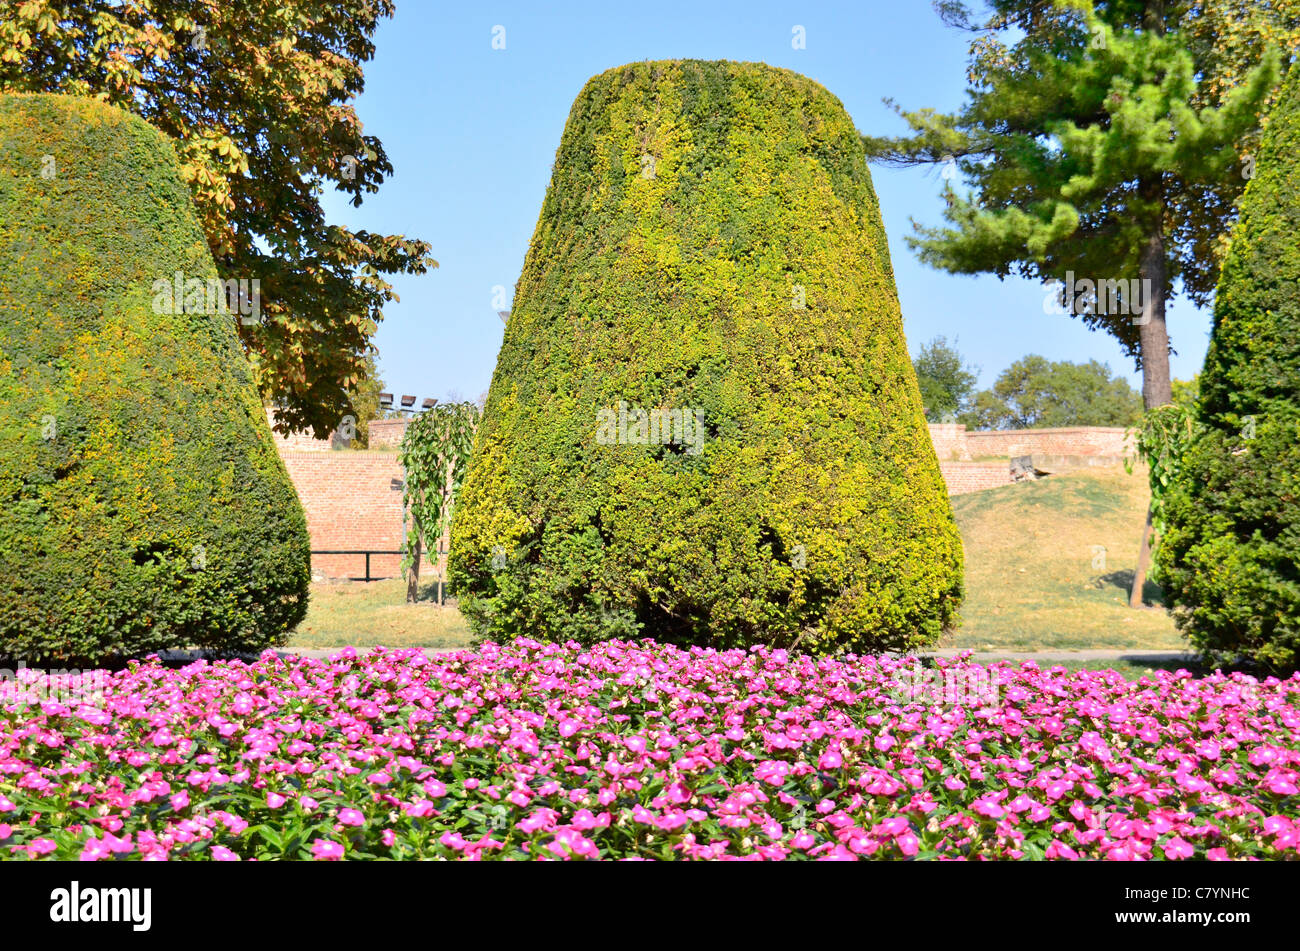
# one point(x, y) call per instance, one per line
point(472, 132)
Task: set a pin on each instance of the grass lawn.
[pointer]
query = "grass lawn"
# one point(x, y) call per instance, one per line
point(1030, 577)
point(1030, 580)
point(360, 614)
point(1129, 669)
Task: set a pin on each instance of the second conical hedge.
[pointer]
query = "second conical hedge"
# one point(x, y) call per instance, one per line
point(1230, 555)
point(704, 425)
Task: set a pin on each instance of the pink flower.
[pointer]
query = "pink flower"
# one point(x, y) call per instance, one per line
point(537, 820)
point(115, 844)
point(1281, 784)
point(1021, 803)
point(568, 841)
point(453, 840)
point(41, 846)
point(895, 826)
point(94, 850)
point(583, 820)
point(565, 740)
point(1059, 849)
point(434, 789)
point(326, 850)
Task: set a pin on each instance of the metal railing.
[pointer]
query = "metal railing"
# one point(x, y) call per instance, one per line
point(361, 551)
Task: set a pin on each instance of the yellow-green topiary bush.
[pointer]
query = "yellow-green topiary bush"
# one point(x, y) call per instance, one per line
point(142, 502)
point(710, 245)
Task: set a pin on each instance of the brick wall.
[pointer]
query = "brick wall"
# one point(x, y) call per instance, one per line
point(353, 500)
point(954, 442)
point(963, 477)
point(387, 433)
point(949, 441)
point(1072, 441)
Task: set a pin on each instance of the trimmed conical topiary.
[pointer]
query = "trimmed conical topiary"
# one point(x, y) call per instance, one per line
point(144, 505)
point(704, 425)
point(1230, 555)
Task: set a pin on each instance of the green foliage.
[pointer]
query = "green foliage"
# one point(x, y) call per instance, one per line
point(947, 383)
point(1035, 391)
point(435, 453)
point(258, 98)
point(710, 244)
point(1230, 557)
point(1160, 441)
point(1227, 41)
point(1185, 392)
point(1085, 134)
point(364, 399)
point(145, 506)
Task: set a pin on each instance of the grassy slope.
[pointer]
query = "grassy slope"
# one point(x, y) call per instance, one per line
point(1030, 579)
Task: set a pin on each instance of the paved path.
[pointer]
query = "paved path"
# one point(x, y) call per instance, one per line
point(1134, 655)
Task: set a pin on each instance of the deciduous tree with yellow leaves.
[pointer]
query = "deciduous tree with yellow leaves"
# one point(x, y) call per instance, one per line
point(258, 96)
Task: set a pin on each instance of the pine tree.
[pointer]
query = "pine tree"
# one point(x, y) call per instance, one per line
point(1090, 163)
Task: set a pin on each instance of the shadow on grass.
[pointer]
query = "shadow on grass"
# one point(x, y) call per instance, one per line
point(1152, 593)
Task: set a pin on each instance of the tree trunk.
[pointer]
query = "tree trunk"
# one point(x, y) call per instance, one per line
point(1157, 389)
point(1153, 334)
point(444, 540)
point(413, 576)
point(1144, 560)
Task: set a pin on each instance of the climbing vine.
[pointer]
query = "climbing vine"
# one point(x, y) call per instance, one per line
point(435, 453)
point(1160, 441)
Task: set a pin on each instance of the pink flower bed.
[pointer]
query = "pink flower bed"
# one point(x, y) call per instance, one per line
point(646, 751)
